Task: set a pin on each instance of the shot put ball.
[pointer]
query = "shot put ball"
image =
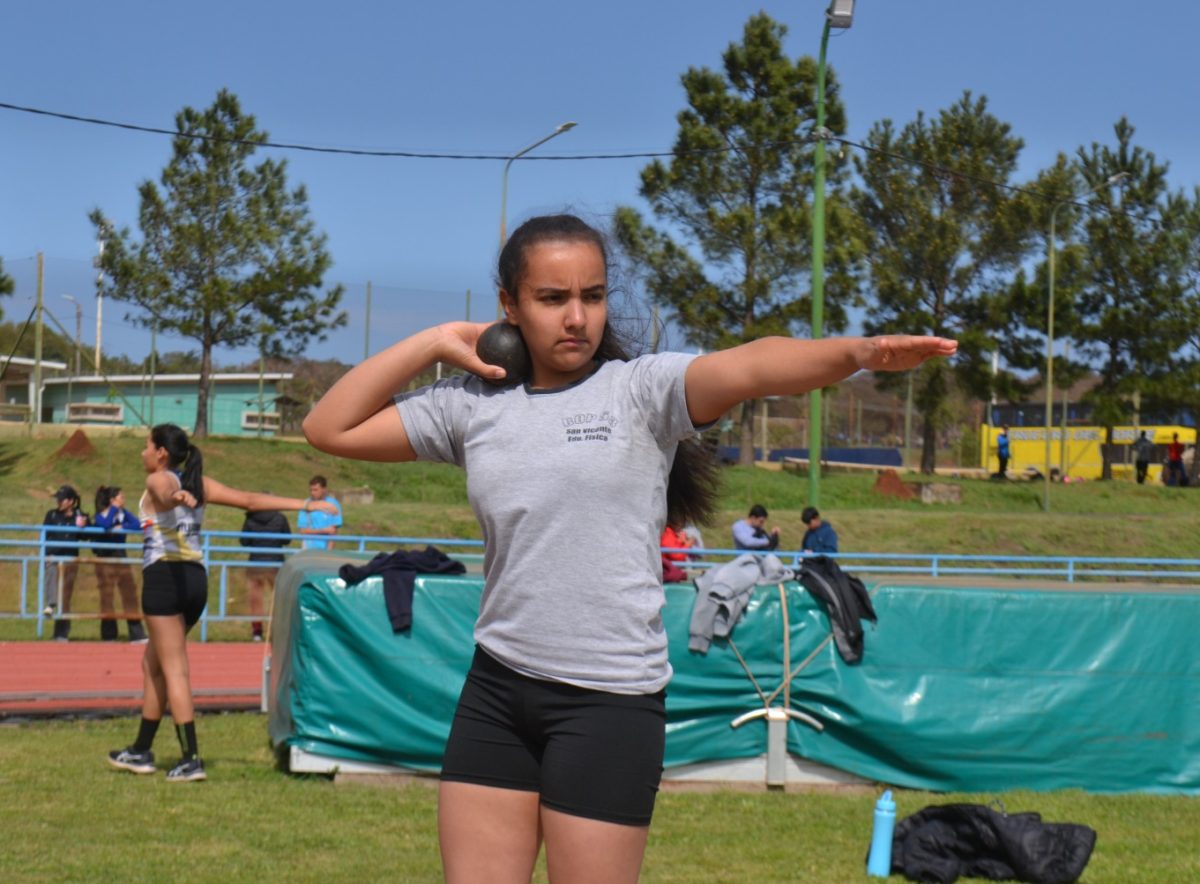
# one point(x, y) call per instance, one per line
point(501, 344)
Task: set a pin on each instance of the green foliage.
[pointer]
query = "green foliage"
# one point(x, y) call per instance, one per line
point(6, 284)
point(56, 347)
point(1134, 318)
point(228, 254)
point(943, 236)
point(730, 261)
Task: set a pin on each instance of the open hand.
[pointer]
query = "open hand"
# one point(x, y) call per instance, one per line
point(901, 352)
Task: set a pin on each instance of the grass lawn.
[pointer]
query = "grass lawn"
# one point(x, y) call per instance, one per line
point(66, 815)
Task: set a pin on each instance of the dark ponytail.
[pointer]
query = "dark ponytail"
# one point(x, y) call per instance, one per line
point(695, 481)
point(182, 456)
point(104, 496)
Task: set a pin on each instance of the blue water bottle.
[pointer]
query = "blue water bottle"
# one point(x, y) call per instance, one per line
point(879, 860)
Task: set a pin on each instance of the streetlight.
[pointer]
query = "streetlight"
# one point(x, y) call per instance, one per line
point(559, 130)
point(1107, 182)
point(78, 333)
point(840, 14)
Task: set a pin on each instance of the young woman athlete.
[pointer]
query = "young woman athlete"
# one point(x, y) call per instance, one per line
point(559, 733)
point(175, 589)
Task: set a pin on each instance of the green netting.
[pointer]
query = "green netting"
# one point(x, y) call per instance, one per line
point(959, 688)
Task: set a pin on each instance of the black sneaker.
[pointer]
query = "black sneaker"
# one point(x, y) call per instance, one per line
point(133, 761)
point(188, 770)
point(137, 634)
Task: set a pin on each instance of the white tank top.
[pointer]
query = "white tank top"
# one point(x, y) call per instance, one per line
point(173, 536)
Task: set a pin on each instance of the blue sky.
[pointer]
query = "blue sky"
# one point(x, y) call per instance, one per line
point(463, 76)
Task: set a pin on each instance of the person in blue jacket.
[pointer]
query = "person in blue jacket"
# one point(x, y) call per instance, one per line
point(820, 538)
point(117, 522)
point(1002, 453)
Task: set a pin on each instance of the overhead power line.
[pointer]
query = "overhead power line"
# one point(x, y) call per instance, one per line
point(431, 155)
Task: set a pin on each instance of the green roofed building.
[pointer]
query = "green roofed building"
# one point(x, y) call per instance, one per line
point(239, 404)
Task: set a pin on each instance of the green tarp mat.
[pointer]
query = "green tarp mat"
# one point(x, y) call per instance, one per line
point(960, 688)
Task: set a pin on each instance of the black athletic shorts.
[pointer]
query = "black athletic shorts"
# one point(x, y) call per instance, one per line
point(175, 588)
point(587, 753)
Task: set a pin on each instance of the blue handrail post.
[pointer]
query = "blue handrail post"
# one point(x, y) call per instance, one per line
point(206, 543)
point(41, 579)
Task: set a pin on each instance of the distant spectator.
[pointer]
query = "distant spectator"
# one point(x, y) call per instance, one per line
point(1143, 451)
point(1002, 452)
point(261, 577)
point(674, 538)
point(116, 521)
point(751, 533)
point(820, 538)
point(1175, 473)
point(315, 521)
point(64, 566)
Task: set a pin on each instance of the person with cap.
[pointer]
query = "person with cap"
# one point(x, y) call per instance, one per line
point(820, 538)
point(62, 559)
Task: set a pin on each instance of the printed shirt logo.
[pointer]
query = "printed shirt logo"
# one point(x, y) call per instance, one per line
point(590, 426)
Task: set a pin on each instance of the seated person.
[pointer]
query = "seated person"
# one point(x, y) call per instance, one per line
point(820, 538)
point(750, 533)
point(674, 538)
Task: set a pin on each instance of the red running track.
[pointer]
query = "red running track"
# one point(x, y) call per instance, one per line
point(54, 678)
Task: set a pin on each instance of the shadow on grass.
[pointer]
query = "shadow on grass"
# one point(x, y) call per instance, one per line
point(9, 458)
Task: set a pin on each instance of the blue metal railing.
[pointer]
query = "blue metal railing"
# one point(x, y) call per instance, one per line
point(221, 551)
point(26, 547)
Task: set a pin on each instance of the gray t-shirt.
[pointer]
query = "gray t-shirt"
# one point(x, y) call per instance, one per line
point(570, 489)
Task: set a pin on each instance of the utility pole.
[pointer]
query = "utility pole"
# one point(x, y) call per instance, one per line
point(367, 325)
point(99, 296)
point(153, 364)
point(35, 396)
point(78, 335)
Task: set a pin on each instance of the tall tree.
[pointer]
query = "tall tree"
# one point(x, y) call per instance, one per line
point(6, 284)
point(944, 234)
point(730, 264)
point(1134, 319)
point(1187, 213)
point(226, 251)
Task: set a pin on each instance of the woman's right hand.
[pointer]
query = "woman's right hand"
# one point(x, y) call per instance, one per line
point(457, 342)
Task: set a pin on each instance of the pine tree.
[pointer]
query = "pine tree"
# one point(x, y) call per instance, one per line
point(730, 261)
point(1135, 320)
point(943, 236)
point(226, 251)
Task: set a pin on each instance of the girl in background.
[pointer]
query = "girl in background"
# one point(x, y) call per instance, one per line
point(112, 516)
point(175, 589)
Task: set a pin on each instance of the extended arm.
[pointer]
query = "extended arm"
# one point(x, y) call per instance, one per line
point(357, 419)
point(215, 492)
point(716, 382)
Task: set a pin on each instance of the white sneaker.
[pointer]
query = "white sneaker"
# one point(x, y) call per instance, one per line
point(48, 611)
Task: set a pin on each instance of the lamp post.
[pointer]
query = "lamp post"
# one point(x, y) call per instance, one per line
point(78, 334)
point(1107, 182)
point(840, 14)
point(559, 130)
